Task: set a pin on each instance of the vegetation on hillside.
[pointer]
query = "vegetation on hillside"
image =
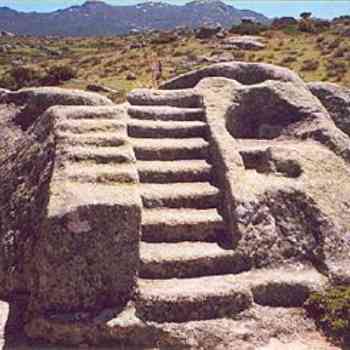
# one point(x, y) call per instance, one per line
point(123, 63)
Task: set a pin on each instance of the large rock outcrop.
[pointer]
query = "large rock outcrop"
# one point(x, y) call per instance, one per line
point(245, 198)
point(70, 212)
point(287, 164)
point(245, 73)
point(26, 162)
point(336, 99)
point(244, 42)
point(35, 101)
point(27, 157)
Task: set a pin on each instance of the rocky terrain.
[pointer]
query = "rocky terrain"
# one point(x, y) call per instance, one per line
point(202, 215)
point(115, 65)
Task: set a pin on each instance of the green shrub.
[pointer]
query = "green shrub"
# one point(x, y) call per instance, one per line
point(288, 59)
point(58, 74)
point(331, 310)
point(291, 29)
point(19, 77)
point(178, 53)
point(310, 65)
point(335, 68)
point(306, 25)
point(248, 29)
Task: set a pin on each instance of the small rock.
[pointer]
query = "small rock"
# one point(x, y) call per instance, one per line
point(131, 76)
point(244, 42)
point(101, 88)
point(136, 46)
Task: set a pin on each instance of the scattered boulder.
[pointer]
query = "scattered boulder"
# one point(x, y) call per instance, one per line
point(343, 30)
point(217, 58)
point(18, 62)
point(7, 34)
point(342, 20)
point(321, 24)
point(248, 27)
point(336, 99)
point(310, 65)
point(131, 76)
point(164, 38)
point(221, 35)
point(207, 32)
point(5, 48)
point(101, 88)
point(137, 45)
point(244, 42)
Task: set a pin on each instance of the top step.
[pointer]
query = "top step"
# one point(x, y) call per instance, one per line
point(175, 98)
point(166, 113)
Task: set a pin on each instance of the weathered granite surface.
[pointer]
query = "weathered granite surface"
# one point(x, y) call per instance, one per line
point(336, 99)
point(243, 72)
point(279, 163)
point(279, 184)
point(69, 225)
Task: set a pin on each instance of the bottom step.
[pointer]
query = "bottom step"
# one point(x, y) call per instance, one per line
point(190, 299)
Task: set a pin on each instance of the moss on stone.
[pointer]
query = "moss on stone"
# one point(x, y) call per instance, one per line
point(331, 310)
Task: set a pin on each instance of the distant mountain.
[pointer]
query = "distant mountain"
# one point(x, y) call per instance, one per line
point(95, 18)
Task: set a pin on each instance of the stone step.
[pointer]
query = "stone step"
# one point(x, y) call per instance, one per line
point(183, 300)
point(188, 259)
point(170, 149)
point(166, 113)
point(96, 112)
point(200, 195)
point(175, 98)
point(174, 171)
point(80, 126)
point(100, 139)
point(189, 299)
point(101, 173)
point(101, 155)
point(176, 225)
point(161, 129)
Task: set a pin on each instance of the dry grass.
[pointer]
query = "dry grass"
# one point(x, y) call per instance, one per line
point(108, 61)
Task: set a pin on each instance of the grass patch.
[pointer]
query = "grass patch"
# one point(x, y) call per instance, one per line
point(331, 310)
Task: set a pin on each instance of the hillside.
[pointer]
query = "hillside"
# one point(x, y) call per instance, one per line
point(95, 18)
point(123, 63)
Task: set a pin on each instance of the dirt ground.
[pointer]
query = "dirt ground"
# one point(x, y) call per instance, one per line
point(11, 337)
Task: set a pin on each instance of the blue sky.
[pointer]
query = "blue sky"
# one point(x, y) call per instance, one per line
point(271, 8)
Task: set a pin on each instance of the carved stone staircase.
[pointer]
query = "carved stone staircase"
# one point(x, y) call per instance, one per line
point(186, 274)
point(181, 224)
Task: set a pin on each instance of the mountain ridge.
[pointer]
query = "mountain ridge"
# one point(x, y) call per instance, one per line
point(98, 18)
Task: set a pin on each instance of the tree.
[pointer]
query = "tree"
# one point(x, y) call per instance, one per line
point(305, 15)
